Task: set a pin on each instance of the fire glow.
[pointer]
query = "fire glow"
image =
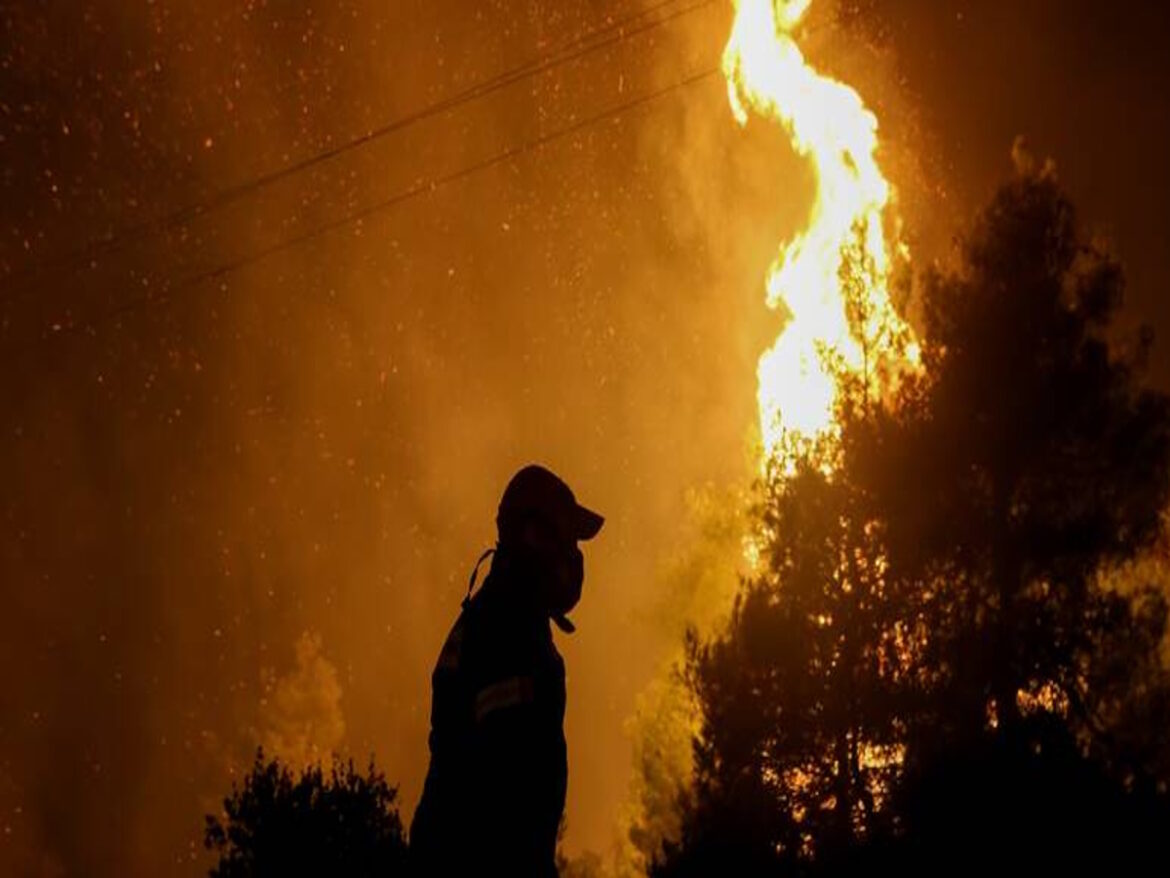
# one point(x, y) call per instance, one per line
point(829, 124)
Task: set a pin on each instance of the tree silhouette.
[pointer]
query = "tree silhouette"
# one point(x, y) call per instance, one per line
point(339, 823)
point(1027, 799)
point(1026, 457)
point(803, 695)
point(926, 667)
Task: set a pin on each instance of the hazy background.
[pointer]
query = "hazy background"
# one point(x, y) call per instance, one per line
point(244, 511)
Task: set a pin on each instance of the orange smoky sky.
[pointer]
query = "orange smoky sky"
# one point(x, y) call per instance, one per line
point(243, 509)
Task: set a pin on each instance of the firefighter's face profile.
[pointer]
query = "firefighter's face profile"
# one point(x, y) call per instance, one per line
point(559, 563)
point(570, 575)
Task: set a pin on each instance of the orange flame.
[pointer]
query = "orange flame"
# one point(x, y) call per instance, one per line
point(832, 279)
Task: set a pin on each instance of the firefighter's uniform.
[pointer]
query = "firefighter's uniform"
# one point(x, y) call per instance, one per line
point(495, 791)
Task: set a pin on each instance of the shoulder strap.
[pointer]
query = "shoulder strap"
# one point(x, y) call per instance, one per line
point(474, 573)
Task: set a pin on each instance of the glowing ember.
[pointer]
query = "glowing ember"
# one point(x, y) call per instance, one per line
point(832, 278)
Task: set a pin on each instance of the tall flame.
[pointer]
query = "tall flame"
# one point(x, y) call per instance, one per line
point(832, 279)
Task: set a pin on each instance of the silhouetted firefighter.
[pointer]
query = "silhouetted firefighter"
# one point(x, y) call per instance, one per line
point(495, 791)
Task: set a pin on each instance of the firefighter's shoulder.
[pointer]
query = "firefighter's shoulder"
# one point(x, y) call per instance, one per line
point(516, 668)
point(451, 656)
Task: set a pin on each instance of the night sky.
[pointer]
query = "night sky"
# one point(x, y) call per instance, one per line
point(240, 506)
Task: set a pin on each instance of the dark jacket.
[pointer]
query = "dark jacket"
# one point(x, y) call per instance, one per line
point(495, 790)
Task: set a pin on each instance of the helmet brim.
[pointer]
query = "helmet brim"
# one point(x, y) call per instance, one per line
point(586, 523)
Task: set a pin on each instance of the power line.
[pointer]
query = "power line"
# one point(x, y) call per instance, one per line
point(392, 201)
point(566, 52)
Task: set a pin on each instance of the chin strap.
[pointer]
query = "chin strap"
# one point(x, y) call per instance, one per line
point(475, 572)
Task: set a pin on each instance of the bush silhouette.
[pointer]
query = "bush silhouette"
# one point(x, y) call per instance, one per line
point(338, 823)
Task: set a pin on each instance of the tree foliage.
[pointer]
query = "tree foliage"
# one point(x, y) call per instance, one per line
point(1027, 455)
point(925, 666)
point(335, 823)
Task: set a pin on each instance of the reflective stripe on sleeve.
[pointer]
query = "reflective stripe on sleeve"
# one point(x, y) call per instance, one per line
point(506, 693)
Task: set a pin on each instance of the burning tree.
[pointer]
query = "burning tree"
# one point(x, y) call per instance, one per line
point(1027, 458)
point(804, 696)
point(924, 644)
point(924, 665)
point(806, 693)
